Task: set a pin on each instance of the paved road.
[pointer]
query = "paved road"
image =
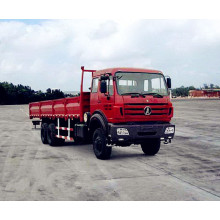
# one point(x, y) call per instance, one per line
point(187, 169)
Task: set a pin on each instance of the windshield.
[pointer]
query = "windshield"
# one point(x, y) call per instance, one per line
point(141, 83)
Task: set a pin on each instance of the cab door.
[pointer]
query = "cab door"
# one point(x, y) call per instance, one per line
point(106, 101)
point(94, 97)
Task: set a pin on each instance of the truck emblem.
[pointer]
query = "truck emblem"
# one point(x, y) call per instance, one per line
point(147, 110)
point(147, 100)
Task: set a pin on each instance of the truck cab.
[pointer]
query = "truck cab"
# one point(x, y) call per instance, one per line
point(133, 106)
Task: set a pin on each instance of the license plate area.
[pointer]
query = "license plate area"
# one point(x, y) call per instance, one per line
point(146, 133)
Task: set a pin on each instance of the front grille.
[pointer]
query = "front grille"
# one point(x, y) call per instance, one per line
point(138, 109)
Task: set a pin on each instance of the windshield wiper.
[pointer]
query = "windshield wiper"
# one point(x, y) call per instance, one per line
point(154, 94)
point(133, 93)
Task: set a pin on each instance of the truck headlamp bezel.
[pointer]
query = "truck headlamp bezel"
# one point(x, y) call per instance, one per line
point(169, 130)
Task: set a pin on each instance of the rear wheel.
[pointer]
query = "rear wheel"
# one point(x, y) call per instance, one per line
point(99, 145)
point(51, 136)
point(151, 147)
point(44, 128)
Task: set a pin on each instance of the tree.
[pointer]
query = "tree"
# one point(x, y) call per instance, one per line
point(182, 91)
point(49, 90)
point(205, 86)
point(3, 94)
point(19, 94)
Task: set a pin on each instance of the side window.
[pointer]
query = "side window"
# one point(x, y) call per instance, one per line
point(110, 86)
point(95, 85)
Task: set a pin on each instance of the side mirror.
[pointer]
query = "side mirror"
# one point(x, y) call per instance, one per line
point(169, 83)
point(104, 77)
point(103, 86)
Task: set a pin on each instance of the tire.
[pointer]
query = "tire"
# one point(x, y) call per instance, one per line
point(151, 147)
point(51, 136)
point(44, 128)
point(99, 145)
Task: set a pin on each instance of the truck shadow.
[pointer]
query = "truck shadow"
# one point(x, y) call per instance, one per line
point(116, 156)
point(74, 144)
point(117, 152)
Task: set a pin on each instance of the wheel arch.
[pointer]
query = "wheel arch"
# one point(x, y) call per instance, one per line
point(98, 120)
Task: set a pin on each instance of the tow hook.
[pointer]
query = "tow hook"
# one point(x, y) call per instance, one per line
point(166, 141)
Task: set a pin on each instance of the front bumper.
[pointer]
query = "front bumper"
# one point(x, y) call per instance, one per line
point(138, 133)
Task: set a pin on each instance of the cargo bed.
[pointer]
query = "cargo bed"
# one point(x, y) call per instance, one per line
point(62, 108)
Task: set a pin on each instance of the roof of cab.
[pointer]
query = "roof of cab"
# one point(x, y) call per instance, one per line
point(124, 69)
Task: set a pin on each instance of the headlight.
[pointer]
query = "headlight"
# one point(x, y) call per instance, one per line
point(122, 131)
point(169, 130)
point(86, 116)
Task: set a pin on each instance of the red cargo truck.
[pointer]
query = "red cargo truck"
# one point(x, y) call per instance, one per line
point(124, 106)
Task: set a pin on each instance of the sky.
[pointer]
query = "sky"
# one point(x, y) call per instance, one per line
point(49, 53)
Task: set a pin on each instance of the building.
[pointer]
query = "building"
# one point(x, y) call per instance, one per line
point(205, 93)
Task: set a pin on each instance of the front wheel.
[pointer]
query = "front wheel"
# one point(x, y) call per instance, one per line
point(151, 146)
point(99, 145)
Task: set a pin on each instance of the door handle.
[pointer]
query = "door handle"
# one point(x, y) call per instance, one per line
point(99, 101)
